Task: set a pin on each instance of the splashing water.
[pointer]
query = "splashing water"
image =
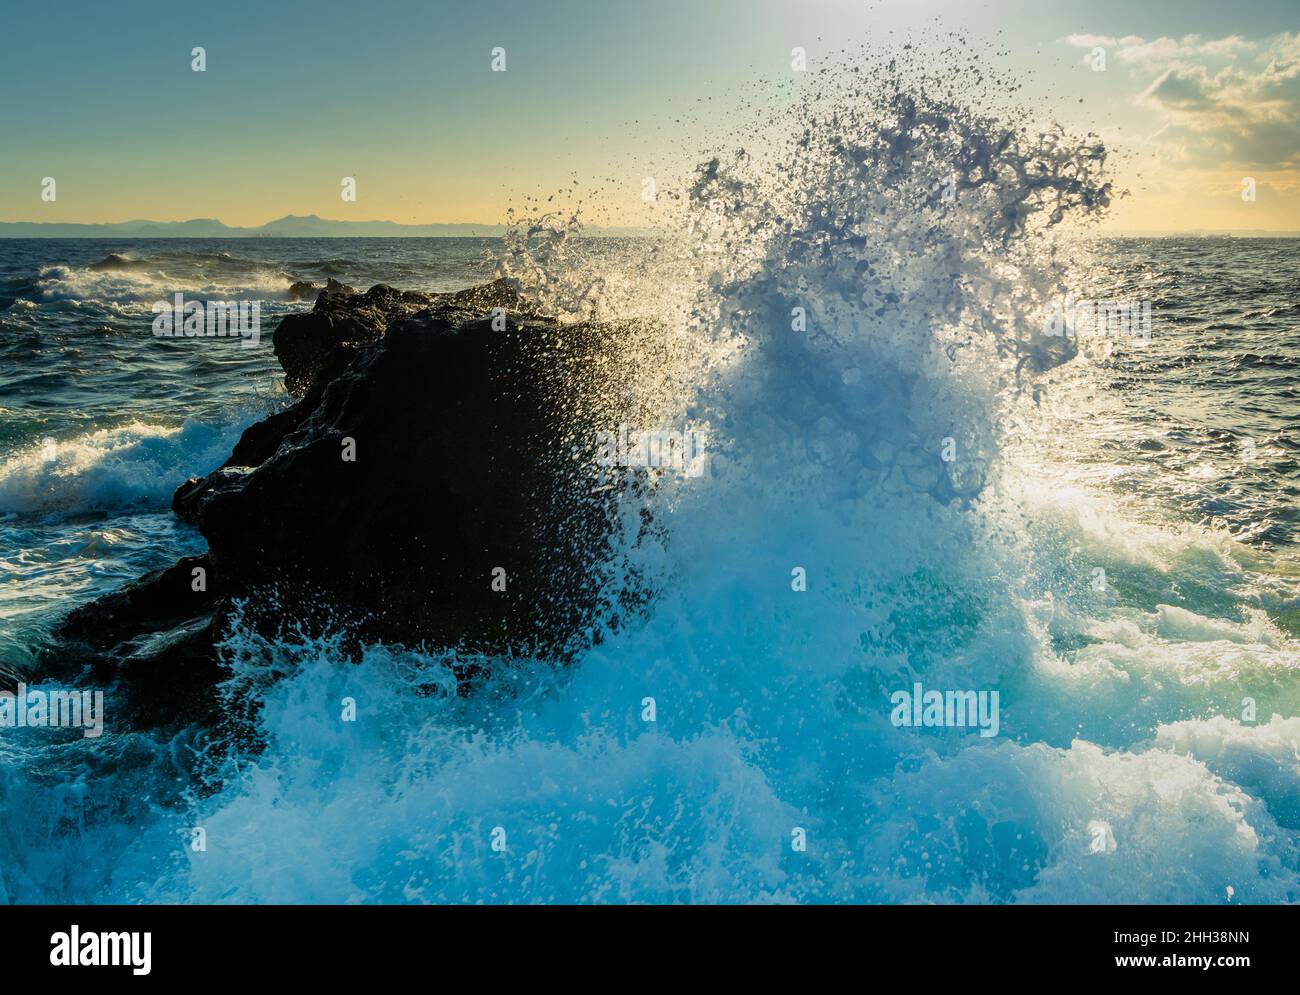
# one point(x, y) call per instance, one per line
point(837, 309)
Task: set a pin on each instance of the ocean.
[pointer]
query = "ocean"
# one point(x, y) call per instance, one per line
point(1119, 559)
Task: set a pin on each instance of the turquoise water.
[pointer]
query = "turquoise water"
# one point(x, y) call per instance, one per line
point(1123, 768)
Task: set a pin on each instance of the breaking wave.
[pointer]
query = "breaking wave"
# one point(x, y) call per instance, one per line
point(135, 465)
point(131, 281)
point(852, 313)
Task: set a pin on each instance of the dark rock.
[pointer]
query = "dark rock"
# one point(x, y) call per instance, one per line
point(461, 467)
point(301, 290)
point(472, 420)
point(339, 320)
point(154, 600)
point(157, 635)
point(332, 287)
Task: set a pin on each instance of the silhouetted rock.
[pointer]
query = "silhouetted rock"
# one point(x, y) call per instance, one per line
point(155, 636)
point(440, 443)
point(302, 290)
point(339, 320)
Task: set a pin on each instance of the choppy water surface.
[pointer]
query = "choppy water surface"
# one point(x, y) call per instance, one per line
point(1114, 550)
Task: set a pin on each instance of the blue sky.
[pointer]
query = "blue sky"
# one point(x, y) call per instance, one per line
point(400, 95)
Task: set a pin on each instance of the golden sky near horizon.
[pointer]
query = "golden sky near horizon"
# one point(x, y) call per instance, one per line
point(1200, 103)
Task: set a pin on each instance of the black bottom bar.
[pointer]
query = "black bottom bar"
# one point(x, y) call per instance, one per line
point(930, 945)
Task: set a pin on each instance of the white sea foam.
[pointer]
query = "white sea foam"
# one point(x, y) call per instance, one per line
point(144, 286)
point(135, 464)
point(771, 703)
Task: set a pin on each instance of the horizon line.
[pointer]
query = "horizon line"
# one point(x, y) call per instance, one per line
point(281, 219)
point(253, 231)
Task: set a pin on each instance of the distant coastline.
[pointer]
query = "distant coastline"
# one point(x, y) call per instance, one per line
point(290, 226)
point(314, 226)
point(1204, 233)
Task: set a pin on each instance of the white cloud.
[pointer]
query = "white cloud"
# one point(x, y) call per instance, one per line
point(1090, 41)
point(1223, 102)
point(1160, 51)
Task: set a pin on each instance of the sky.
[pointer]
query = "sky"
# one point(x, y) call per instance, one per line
point(1199, 97)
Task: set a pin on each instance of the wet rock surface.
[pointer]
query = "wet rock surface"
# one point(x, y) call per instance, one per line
point(429, 486)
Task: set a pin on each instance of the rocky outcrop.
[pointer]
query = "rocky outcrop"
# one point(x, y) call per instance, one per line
point(430, 486)
point(155, 639)
point(301, 290)
point(343, 321)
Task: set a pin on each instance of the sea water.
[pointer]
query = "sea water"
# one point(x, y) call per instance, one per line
point(911, 483)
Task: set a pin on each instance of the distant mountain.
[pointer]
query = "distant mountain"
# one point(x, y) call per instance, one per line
point(314, 226)
point(290, 226)
point(1202, 233)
